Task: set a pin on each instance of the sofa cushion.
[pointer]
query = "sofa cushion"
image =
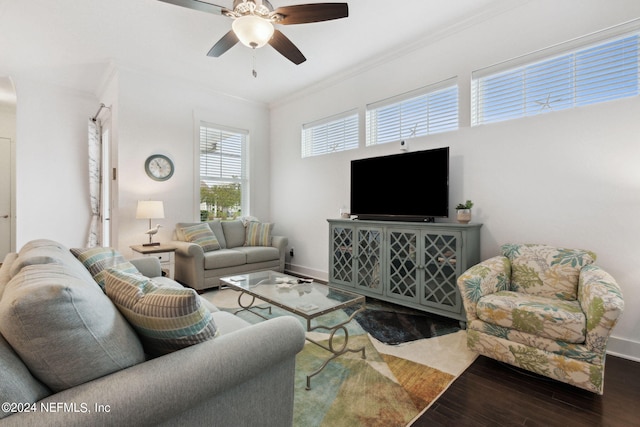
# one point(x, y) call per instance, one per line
point(258, 234)
point(65, 329)
point(551, 318)
point(166, 318)
point(234, 233)
point(224, 258)
point(98, 260)
point(17, 385)
point(545, 270)
point(5, 268)
point(202, 235)
point(259, 253)
point(41, 251)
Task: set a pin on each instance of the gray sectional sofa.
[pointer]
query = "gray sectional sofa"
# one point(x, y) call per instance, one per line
point(68, 356)
point(201, 269)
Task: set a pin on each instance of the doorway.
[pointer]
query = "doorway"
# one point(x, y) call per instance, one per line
point(7, 166)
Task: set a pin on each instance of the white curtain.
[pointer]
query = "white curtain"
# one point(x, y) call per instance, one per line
point(95, 151)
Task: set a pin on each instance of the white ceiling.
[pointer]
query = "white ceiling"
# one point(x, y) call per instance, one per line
point(73, 42)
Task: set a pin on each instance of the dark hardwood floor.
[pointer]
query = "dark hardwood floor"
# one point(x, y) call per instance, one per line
point(490, 393)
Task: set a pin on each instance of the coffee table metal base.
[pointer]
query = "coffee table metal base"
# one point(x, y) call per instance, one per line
point(332, 347)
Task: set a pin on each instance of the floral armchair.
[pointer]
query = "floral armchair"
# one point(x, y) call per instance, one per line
point(544, 309)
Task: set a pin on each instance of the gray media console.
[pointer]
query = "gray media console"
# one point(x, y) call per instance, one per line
point(413, 264)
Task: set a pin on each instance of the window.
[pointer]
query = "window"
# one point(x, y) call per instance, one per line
point(587, 75)
point(330, 135)
point(223, 178)
point(425, 111)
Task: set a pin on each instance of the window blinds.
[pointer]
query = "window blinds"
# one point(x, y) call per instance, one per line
point(425, 111)
point(221, 155)
point(329, 135)
point(601, 72)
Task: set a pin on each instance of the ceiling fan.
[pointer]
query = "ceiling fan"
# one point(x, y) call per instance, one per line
point(253, 23)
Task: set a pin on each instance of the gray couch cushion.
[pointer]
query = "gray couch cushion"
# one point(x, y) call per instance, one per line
point(227, 322)
point(17, 385)
point(224, 258)
point(65, 329)
point(234, 233)
point(4, 270)
point(259, 253)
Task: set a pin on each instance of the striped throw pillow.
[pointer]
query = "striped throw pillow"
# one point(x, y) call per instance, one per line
point(258, 234)
point(166, 318)
point(98, 260)
point(202, 235)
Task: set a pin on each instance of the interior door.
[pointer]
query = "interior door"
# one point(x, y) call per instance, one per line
point(5, 197)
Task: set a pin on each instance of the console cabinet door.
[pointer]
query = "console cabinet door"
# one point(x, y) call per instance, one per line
point(342, 259)
point(440, 269)
point(403, 263)
point(369, 259)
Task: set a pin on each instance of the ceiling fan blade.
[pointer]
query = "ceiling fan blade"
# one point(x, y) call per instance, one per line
point(224, 44)
point(198, 5)
point(305, 13)
point(282, 44)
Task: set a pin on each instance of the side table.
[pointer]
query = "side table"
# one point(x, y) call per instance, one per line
point(165, 253)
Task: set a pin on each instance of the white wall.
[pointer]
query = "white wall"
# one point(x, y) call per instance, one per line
point(160, 116)
point(52, 195)
point(567, 178)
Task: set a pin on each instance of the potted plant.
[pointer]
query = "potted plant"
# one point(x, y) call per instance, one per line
point(464, 212)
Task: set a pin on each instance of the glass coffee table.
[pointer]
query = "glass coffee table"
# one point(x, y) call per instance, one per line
point(301, 297)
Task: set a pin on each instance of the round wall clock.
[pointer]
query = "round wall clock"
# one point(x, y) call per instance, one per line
point(159, 167)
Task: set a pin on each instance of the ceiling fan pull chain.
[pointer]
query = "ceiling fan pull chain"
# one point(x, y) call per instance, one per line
point(254, 72)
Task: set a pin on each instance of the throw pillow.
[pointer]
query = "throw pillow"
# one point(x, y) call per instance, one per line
point(202, 235)
point(98, 260)
point(166, 318)
point(258, 234)
point(65, 330)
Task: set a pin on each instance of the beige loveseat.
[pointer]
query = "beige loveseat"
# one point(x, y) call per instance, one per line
point(202, 269)
point(70, 355)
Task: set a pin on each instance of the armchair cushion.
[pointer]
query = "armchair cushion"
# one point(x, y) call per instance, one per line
point(544, 317)
point(545, 270)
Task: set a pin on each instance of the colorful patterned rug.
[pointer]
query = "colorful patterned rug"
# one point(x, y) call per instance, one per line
point(391, 387)
point(381, 390)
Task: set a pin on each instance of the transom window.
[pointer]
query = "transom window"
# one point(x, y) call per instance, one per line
point(586, 75)
point(223, 178)
point(331, 134)
point(425, 111)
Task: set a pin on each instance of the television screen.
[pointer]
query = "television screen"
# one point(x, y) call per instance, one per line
point(405, 187)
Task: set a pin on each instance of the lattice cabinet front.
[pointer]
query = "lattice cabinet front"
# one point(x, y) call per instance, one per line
point(412, 264)
point(341, 271)
point(369, 259)
point(439, 288)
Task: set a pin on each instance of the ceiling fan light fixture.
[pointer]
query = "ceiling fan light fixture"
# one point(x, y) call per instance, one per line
point(252, 31)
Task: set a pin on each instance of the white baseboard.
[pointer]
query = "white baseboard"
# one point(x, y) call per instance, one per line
point(624, 348)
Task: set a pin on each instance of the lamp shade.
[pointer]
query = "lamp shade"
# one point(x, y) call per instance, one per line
point(148, 209)
point(252, 31)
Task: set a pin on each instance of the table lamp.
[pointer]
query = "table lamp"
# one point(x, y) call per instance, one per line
point(150, 209)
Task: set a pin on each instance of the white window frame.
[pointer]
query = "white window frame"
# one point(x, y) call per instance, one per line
point(340, 132)
point(425, 111)
point(223, 176)
point(520, 93)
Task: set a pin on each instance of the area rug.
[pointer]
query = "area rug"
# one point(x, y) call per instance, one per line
point(392, 324)
point(391, 387)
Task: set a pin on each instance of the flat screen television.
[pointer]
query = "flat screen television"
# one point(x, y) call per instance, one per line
point(402, 187)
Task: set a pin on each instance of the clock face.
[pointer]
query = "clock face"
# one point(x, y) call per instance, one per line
point(159, 167)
